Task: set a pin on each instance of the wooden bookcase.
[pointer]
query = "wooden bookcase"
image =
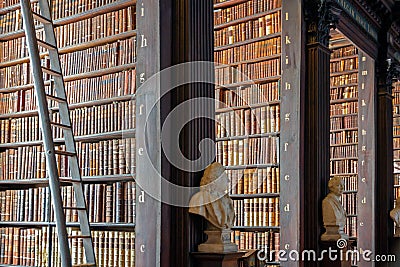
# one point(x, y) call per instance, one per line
point(396, 139)
point(257, 123)
point(97, 44)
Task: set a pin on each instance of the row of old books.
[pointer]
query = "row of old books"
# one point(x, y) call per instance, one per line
point(237, 54)
point(248, 121)
point(349, 202)
point(344, 92)
point(266, 241)
point(344, 151)
point(346, 122)
point(110, 157)
point(344, 79)
point(349, 50)
point(343, 166)
point(99, 57)
point(107, 86)
point(347, 64)
point(343, 137)
point(112, 22)
point(110, 203)
point(87, 30)
point(344, 108)
point(251, 151)
point(351, 226)
point(105, 118)
point(251, 29)
point(248, 8)
point(91, 59)
point(248, 72)
point(257, 212)
point(35, 247)
point(254, 181)
point(248, 95)
point(350, 182)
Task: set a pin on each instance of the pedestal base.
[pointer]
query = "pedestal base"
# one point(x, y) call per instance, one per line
point(218, 241)
point(207, 259)
point(335, 260)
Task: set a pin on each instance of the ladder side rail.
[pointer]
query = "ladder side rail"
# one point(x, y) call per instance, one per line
point(54, 182)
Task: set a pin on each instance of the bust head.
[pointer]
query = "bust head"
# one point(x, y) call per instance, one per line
point(336, 186)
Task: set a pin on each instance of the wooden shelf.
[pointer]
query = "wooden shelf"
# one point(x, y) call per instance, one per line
point(340, 159)
point(251, 106)
point(21, 184)
point(126, 227)
point(229, 3)
point(257, 228)
point(249, 82)
point(75, 48)
point(344, 129)
point(92, 103)
point(344, 100)
point(344, 85)
point(344, 144)
point(77, 17)
point(240, 137)
point(344, 174)
point(129, 133)
point(254, 60)
point(343, 72)
point(343, 58)
point(250, 166)
point(344, 115)
point(259, 195)
point(350, 192)
point(245, 19)
point(262, 38)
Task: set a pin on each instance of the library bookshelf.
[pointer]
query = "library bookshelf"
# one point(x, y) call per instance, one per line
point(97, 44)
point(250, 69)
point(396, 139)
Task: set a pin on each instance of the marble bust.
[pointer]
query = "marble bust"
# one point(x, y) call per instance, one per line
point(333, 213)
point(214, 204)
point(395, 215)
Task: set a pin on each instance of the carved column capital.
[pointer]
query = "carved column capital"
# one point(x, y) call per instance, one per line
point(322, 16)
point(393, 72)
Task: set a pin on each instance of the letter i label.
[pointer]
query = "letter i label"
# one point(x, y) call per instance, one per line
point(142, 10)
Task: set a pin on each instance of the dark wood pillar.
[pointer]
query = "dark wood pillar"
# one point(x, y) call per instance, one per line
point(189, 38)
point(384, 180)
point(317, 111)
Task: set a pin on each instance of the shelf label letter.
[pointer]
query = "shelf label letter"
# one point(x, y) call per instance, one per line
point(142, 248)
point(141, 197)
point(361, 223)
point(287, 177)
point(287, 40)
point(140, 151)
point(364, 200)
point(287, 60)
point(287, 117)
point(286, 146)
point(141, 109)
point(287, 16)
point(287, 207)
point(144, 41)
point(141, 77)
point(287, 86)
point(142, 9)
point(363, 180)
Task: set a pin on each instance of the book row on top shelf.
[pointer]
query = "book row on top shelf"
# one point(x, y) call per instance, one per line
point(396, 138)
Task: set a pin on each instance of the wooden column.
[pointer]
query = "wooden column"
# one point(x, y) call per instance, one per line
point(189, 39)
point(384, 180)
point(317, 125)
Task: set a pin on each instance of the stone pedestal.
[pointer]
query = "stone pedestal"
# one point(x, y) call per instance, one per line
point(207, 259)
point(218, 241)
point(333, 233)
point(340, 254)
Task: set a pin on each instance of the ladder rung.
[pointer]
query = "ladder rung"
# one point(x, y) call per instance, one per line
point(84, 265)
point(65, 153)
point(46, 45)
point(74, 208)
point(41, 18)
point(51, 72)
point(55, 98)
point(60, 125)
point(79, 236)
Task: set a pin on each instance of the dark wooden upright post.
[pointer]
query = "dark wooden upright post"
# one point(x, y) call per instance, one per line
point(317, 110)
point(189, 39)
point(384, 182)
